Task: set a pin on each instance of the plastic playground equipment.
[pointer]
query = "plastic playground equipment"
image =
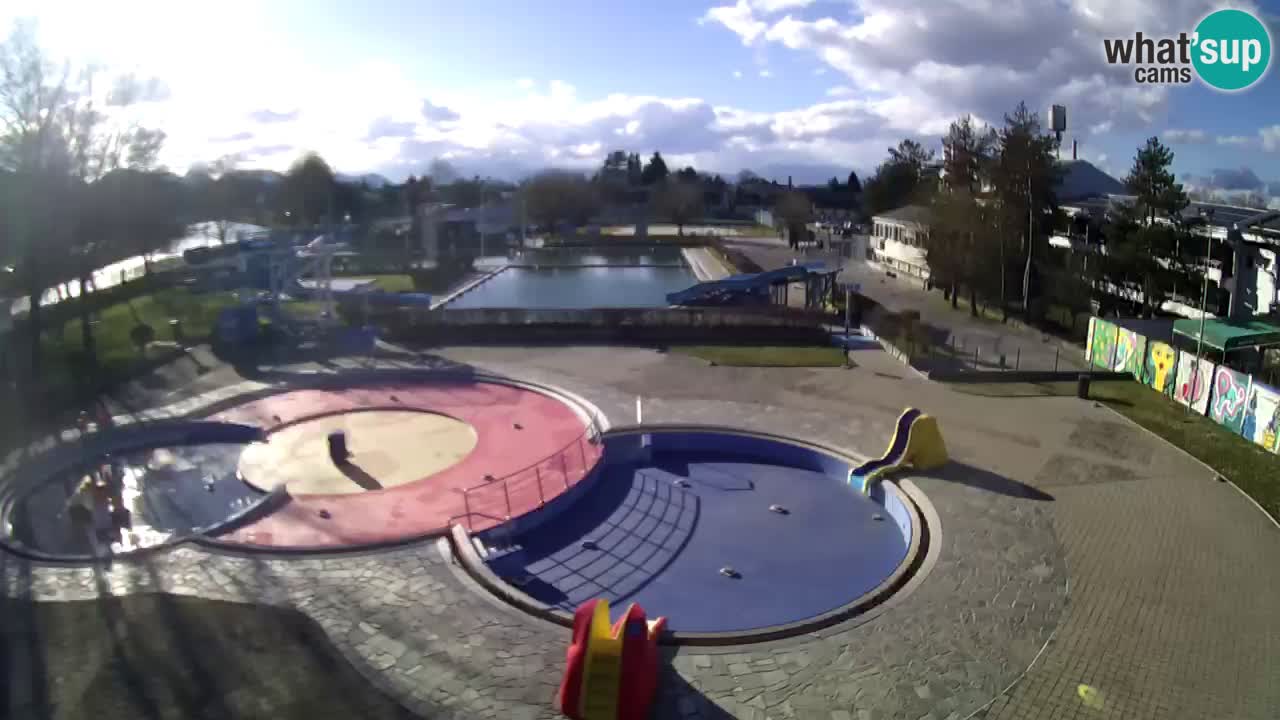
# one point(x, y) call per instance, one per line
point(611, 672)
point(742, 289)
point(917, 443)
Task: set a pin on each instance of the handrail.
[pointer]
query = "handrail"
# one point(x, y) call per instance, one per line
point(588, 436)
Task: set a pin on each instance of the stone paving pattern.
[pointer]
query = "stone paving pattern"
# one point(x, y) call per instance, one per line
point(1172, 576)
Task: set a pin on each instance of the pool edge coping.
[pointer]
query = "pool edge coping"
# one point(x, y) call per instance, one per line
point(905, 578)
point(210, 539)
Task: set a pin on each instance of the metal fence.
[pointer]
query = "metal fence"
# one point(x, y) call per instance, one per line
point(497, 499)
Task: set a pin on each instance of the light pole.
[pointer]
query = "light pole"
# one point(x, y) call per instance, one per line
point(1207, 214)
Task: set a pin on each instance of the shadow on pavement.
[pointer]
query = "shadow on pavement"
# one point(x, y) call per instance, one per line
point(965, 474)
point(164, 656)
point(676, 698)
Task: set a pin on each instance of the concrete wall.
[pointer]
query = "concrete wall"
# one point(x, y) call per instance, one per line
point(646, 325)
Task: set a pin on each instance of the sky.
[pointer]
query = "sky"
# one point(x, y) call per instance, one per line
point(808, 88)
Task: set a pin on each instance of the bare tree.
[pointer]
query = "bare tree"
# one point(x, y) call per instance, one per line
point(56, 139)
point(555, 196)
point(796, 211)
point(679, 201)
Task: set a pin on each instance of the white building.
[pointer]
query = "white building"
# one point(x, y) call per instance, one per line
point(898, 240)
point(1243, 244)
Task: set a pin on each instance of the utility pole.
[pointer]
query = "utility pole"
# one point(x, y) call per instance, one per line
point(1204, 296)
point(1026, 273)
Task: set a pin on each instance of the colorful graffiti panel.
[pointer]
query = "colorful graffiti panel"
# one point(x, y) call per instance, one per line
point(1162, 362)
point(1102, 347)
point(1262, 416)
point(1130, 353)
point(1230, 391)
point(1194, 381)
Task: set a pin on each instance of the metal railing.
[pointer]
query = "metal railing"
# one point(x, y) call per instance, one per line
point(548, 477)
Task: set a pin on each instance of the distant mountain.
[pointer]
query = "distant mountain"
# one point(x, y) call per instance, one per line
point(373, 180)
point(800, 174)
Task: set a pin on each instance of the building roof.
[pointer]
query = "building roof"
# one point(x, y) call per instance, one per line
point(1227, 335)
point(1081, 179)
point(917, 214)
point(1160, 329)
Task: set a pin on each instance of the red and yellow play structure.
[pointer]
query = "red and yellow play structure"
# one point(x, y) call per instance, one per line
point(612, 671)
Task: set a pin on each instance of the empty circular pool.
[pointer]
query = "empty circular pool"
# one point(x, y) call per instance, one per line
point(721, 532)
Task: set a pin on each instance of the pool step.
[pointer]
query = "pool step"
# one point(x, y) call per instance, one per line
point(492, 553)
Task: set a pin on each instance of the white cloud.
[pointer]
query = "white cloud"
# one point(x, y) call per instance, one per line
point(739, 18)
point(1237, 140)
point(773, 6)
point(737, 73)
point(1101, 128)
point(1186, 137)
point(839, 91)
point(766, 73)
point(974, 56)
point(1270, 137)
point(525, 83)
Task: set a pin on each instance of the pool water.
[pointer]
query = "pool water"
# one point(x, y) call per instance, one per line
point(693, 536)
point(168, 492)
point(577, 287)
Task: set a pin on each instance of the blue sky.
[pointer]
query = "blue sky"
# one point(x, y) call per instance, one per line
point(809, 87)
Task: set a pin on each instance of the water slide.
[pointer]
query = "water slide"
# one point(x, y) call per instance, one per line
point(736, 286)
point(611, 672)
point(916, 442)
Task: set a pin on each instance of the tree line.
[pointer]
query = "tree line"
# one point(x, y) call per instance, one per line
point(993, 202)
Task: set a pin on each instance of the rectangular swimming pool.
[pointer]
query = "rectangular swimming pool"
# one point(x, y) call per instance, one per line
point(576, 288)
point(566, 279)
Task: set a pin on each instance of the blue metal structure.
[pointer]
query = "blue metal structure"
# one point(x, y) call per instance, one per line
point(739, 288)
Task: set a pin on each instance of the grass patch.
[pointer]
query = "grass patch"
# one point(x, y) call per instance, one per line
point(115, 347)
point(1255, 470)
point(165, 656)
point(765, 355)
point(393, 283)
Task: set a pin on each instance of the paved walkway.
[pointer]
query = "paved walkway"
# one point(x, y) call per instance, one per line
point(1027, 349)
point(1153, 586)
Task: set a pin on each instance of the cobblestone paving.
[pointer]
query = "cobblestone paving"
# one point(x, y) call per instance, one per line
point(1153, 625)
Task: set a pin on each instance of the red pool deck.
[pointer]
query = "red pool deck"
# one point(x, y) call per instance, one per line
point(533, 445)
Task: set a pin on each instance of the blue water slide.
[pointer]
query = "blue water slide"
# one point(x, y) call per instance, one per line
point(743, 284)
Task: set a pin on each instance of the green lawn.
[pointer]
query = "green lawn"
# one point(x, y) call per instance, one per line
point(765, 355)
point(393, 283)
point(116, 350)
point(1254, 469)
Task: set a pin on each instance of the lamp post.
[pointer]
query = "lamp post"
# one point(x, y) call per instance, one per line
point(1207, 214)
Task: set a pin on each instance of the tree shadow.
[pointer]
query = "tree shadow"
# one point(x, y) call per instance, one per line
point(154, 655)
point(677, 698)
point(964, 474)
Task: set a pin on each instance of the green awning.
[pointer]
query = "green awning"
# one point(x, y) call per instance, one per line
point(1227, 336)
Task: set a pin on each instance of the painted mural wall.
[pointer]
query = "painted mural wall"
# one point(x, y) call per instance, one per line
point(1102, 348)
point(1130, 353)
point(1230, 392)
point(1161, 370)
point(1230, 398)
point(1194, 382)
point(1262, 416)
